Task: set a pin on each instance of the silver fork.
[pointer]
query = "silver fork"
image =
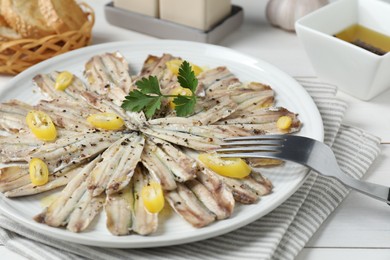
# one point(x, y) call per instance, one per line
point(303, 150)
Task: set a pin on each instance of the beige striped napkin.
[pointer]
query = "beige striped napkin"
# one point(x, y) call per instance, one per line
point(279, 235)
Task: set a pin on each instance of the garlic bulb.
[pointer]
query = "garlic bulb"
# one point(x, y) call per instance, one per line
point(284, 13)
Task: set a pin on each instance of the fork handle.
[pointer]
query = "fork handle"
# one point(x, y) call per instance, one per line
point(373, 190)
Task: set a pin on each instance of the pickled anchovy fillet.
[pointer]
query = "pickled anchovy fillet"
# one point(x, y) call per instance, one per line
point(16, 147)
point(156, 66)
point(221, 87)
point(23, 186)
point(239, 91)
point(144, 222)
point(167, 163)
point(13, 176)
point(12, 171)
point(260, 116)
point(73, 149)
point(57, 214)
point(46, 83)
point(264, 120)
point(248, 190)
point(264, 162)
point(68, 114)
point(184, 139)
point(120, 179)
point(133, 120)
point(117, 166)
point(207, 199)
point(222, 202)
point(182, 167)
point(253, 95)
point(13, 116)
point(106, 71)
point(214, 76)
point(157, 169)
point(85, 211)
point(212, 133)
point(187, 205)
point(118, 208)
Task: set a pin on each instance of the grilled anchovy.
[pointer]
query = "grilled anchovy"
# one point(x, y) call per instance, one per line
point(71, 197)
point(144, 222)
point(108, 71)
point(73, 149)
point(46, 83)
point(117, 166)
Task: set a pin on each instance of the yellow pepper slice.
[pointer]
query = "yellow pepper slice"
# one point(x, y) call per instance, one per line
point(179, 90)
point(106, 121)
point(229, 167)
point(63, 80)
point(41, 125)
point(284, 122)
point(174, 65)
point(39, 173)
point(152, 197)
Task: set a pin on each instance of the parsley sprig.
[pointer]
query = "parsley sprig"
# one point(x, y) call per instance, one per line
point(148, 97)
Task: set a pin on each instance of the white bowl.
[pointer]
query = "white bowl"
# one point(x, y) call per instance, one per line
point(356, 71)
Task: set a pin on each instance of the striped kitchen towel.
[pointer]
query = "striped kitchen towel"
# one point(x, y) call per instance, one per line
point(279, 235)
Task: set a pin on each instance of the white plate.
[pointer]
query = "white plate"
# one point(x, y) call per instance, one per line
point(173, 230)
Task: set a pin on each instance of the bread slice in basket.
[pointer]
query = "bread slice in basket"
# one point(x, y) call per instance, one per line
point(25, 17)
point(62, 15)
point(6, 32)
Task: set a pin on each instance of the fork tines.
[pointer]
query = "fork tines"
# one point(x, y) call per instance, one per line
point(251, 146)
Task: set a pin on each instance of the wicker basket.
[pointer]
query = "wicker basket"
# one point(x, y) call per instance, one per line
point(18, 55)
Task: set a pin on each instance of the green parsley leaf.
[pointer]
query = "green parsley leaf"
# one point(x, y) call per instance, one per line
point(154, 105)
point(186, 77)
point(184, 105)
point(148, 96)
point(137, 101)
point(149, 85)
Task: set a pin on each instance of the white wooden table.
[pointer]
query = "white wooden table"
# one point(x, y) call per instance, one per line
point(360, 227)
